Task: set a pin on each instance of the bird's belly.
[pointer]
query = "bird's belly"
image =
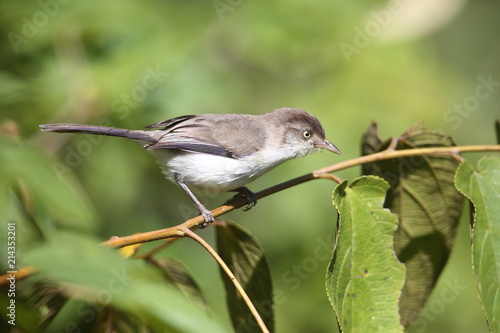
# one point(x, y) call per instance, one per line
point(206, 173)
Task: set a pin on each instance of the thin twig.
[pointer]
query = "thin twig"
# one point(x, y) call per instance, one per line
point(226, 269)
point(388, 154)
point(157, 249)
point(327, 176)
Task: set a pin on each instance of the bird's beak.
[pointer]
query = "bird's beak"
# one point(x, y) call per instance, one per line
point(328, 146)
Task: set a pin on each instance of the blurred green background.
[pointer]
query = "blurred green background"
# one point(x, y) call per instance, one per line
point(133, 63)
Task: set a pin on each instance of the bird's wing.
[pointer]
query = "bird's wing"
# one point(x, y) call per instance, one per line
point(173, 138)
point(171, 123)
point(191, 145)
point(221, 135)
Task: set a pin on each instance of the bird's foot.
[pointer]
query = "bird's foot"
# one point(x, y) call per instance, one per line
point(207, 215)
point(248, 195)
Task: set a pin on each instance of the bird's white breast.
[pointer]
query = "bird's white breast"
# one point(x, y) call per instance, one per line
point(207, 173)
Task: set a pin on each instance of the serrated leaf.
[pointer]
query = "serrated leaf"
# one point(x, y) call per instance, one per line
point(482, 186)
point(364, 278)
point(429, 207)
point(245, 258)
point(101, 276)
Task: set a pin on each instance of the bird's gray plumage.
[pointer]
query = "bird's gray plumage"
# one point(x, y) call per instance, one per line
point(221, 152)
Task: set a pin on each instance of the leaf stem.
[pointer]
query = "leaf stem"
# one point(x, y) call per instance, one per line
point(189, 233)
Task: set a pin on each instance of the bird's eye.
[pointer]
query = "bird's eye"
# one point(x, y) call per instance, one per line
point(306, 134)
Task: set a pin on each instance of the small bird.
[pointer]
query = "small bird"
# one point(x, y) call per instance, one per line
point(210, 153)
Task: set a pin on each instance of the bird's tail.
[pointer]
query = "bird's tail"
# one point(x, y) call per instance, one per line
point(99, 130)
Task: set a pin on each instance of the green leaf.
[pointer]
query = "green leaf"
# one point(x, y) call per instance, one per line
point(100, 276)
point(245, 258)
point(428, 206)
point(26, 167)
point(482, 186)
point(26, 318)
point(111, 320)
point(75, 315)
point(364, 278)
point(178, 274)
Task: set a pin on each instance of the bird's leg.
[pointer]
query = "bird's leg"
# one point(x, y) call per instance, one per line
point(207, 215)
point(248, 195)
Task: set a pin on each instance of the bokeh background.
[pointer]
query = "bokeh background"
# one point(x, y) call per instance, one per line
point(133, 63)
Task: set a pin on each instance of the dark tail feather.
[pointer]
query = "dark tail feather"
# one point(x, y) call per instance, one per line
point(99, 130)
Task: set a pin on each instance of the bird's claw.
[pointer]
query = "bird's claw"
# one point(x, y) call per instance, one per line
point(209, 218)
point(249, 196)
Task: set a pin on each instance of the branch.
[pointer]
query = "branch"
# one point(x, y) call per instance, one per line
point(237, 202)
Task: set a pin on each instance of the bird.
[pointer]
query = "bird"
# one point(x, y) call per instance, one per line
point(211, 153)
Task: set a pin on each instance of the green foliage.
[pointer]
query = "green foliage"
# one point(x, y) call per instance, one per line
point(65, 201)
point(482, 186)
point(179, 275)
point(364, 278)
point(92, 62)
point(245, 258)
point(428, 206)
point(101, 277)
